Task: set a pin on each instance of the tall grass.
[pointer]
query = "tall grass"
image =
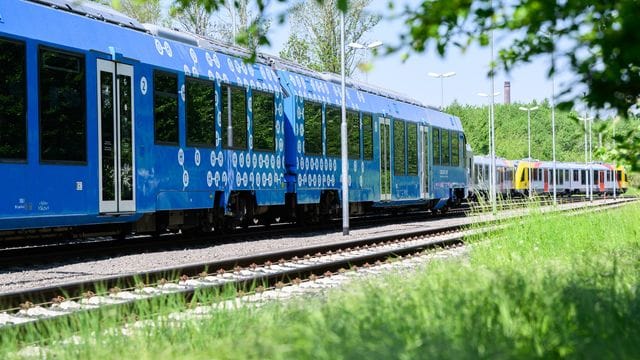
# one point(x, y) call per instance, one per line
point(551, 286)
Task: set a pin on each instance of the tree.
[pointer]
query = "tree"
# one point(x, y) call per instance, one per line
point(148, 11)
point(315, 37)
point(193, 17)
point(238, 23)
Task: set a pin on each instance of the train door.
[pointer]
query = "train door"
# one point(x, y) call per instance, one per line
point(601, 184)
point(116, 136)
point(385, 160)
point(546, 179)
point(424, 162)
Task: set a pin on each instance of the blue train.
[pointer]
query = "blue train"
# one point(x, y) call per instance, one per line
point(108, 124)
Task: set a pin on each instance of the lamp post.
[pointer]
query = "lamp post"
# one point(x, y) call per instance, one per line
point(369, 46)
point(343, 137)
point(591, 179)
point(442, 76)
point(549, 35)
point(586, 119)
point(492, 151)
point(529, 110)
point(615, 161)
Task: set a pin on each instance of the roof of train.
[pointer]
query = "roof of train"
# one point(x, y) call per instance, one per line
point(486, 160)
point(197, 56)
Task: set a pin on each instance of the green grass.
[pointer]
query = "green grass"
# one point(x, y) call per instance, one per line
point(551, 286)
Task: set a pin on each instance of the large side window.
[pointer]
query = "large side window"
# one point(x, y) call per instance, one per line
point(13, 104)
point(464, 147)
point(234, 114)
point(63, 131)
point(165, 107)
point(445, 148)
point(264, 114)
point(333, 119)
point(367, 136)
point(312, 128)
point(455, 149)
point(399, 147)
point(353, 131)
point(200, 112)
point(412, 149)
point(436, 146)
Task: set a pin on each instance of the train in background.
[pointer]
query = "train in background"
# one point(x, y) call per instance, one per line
point(109, 125)
point(515, 178)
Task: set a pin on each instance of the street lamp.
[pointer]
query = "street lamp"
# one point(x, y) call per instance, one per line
point(369, 46)
point(343, 137)
point(615, 161)
point(586, 120)
point(529, 110)
point(492, 149)
point(549, 35)
point(442, 76)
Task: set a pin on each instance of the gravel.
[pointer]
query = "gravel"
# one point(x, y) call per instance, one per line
point(22, 278)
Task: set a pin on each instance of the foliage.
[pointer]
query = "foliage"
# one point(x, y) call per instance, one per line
point(600, 40)
point(237, 23)
point(511, 132)
point(147, 11)
point(314, 41)
point(193, 18)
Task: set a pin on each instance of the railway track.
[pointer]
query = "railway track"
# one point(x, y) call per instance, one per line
point(39, 252)
point(44, 305)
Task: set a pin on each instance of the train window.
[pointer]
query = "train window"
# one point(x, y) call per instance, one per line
point(353, 134)
point(455, 149)
point(165, 98)
point(367, 136)
point(412, 149)
point(566, 175)
point(200, 114)
point(436, 146)
point(596, 178)
point(312, 128)
point(575, 176)
point(333, 119)
point(234, 115)
point(584, 177)
point(619, 175)
point(63, 135)
point(464, 146)
point(445, 148)
point(13, 104)
point(559, 177)
point(399, 147)
point(264, 114)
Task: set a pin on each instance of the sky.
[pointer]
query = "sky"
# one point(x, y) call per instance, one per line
point(528, 82)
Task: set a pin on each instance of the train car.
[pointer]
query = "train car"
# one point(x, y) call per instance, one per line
point(505, 170)
point(115, 122)
point(401, 153)
point(107, 122)
point(571, 178)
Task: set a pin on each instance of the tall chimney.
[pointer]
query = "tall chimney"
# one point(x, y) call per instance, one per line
point(507, 92)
